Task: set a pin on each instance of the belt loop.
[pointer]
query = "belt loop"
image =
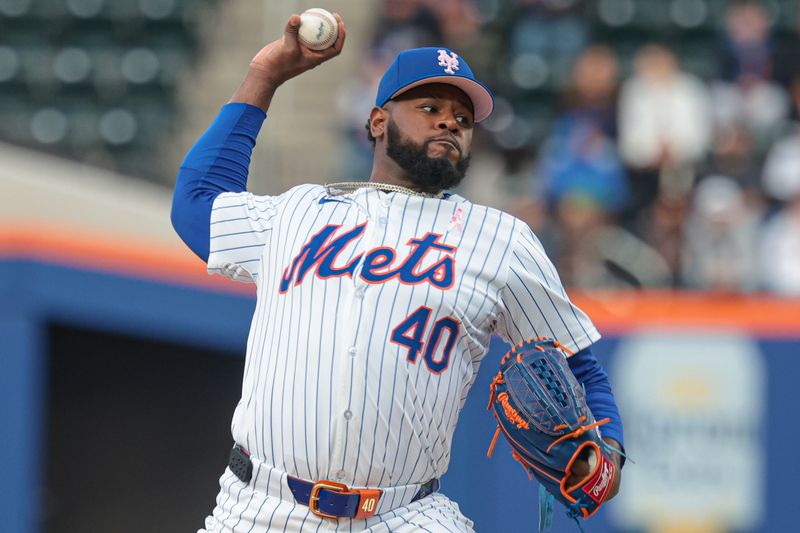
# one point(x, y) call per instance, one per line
point(368, 502)
point(427, 489)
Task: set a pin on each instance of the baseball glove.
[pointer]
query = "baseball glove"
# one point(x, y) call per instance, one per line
point(541, 409)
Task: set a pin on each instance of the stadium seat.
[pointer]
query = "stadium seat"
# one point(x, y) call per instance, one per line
point(94, 76)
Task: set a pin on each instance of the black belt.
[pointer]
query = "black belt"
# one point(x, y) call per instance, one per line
point(327, 499)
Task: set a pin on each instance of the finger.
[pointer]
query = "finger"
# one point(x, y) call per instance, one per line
point(337, 46)
point(615, 485)
point(613, 491)
point(578, 472)
point(290, 32)
point(580, 468)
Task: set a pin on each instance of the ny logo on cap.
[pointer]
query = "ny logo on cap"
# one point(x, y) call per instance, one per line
point(449, 61)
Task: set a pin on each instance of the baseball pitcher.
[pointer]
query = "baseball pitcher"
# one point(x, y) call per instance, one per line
point(375, 305)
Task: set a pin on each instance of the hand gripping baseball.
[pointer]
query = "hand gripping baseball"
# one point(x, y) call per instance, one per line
point(287, 57)
point(282, 60)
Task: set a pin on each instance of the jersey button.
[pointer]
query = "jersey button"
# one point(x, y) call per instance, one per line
point(352, 350)
point(360, 293)
point(348, 414)
point(383, 220)
point(340, 474)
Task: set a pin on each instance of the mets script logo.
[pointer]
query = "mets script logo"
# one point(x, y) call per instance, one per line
point(378, 266)
point(448, 61)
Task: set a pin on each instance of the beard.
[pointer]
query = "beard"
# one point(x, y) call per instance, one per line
point(429, 174)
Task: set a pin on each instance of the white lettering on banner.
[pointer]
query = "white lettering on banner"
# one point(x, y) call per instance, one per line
point(693, 404)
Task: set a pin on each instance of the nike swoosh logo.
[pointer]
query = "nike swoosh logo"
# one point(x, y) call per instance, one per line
point(326, 200)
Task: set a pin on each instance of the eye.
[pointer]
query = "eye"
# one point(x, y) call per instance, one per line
point(429, 108)
point(464, 120)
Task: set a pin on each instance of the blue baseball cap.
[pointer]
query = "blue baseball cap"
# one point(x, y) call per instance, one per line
point(420, 66)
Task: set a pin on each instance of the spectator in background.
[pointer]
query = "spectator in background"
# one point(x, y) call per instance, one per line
point(781, 176)
point(592, 253)
point(663, 113)
point(552, 32)
point(579, 157)
point(748, 50)
point(407, 24)
point(664, 126)
point(780, 240)
point(780, 250)
point(579, 154)
point(592, 94)
point(721, 237)
point(662, 226)
point(583, 181)
point(733, 154)
point(458, 20)
point(551, 27)
point(579, 160)
point(748, 95)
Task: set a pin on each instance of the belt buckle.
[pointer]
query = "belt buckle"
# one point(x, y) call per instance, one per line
point(313, 497)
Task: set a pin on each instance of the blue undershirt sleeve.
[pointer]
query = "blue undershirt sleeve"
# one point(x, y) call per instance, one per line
point(218, 162)
point(599, 397)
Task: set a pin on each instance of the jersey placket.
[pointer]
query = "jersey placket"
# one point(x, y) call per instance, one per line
point(352, 383)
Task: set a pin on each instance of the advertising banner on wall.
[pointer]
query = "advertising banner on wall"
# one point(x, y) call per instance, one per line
point(693, 405)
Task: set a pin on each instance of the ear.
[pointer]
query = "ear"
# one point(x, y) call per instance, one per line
point(378, 121)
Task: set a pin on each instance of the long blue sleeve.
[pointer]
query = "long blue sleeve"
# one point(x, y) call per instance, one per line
point(599, 397)
point(218, 162)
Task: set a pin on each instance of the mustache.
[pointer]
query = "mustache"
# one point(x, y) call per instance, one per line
point(449, 138)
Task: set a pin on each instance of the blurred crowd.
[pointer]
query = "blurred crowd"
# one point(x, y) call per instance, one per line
point(648, 144)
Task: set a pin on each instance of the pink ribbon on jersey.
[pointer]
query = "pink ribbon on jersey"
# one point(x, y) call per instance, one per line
point(456, 219)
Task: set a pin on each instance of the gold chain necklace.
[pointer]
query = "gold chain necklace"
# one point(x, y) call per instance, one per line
point(335, 189)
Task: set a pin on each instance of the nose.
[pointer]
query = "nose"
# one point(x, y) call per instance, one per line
point(447, 121)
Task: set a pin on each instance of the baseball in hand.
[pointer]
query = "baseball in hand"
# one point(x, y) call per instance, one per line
point(592, 460)
point(318, 29)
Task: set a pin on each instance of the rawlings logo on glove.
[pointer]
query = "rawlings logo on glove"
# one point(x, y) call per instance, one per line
point(541, 409)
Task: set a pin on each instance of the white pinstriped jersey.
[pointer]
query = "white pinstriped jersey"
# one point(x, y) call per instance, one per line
point(373, 313)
